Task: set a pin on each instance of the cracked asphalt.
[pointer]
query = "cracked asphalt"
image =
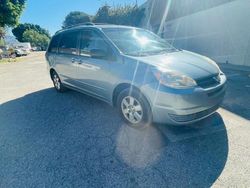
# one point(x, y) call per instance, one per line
point(49, 139)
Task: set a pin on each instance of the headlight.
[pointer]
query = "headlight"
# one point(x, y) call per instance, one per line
point(174, 79)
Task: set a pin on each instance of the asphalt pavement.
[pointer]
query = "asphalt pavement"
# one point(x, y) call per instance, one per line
point(50, 139)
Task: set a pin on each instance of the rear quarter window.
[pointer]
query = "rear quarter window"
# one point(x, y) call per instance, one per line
point(54, 44)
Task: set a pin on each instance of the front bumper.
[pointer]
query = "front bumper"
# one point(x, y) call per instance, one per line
point(187, 106)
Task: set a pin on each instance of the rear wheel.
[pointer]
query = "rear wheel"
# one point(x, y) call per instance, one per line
point(57, 82)
point(134, 108)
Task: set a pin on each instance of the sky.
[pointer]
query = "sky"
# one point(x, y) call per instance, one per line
point(51, 13)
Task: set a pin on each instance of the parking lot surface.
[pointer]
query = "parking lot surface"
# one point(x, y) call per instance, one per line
point(50, 139)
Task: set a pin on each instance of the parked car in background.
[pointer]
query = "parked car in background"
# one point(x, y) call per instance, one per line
point(8, 52)
point(21, 52)
point(136, 71)
point(26, 50)
point(24, 46)
point(36, 49)
point(11, 52)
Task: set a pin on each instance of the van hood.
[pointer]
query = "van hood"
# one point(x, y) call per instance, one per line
point(191, 64)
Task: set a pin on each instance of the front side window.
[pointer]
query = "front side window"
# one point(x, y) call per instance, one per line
point(68, 43)
point(137, 42)
point(90, 42)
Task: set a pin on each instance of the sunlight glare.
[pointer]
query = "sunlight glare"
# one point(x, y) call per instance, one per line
point(142, 40)
point(139, 148)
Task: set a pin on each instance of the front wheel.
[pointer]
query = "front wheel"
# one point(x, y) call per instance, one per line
point(134, 108)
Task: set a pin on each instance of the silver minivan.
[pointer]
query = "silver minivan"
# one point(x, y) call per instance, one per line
point(142, 75)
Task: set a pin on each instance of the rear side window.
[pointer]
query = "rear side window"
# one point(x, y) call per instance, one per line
point(68, 42)
point(54, 44)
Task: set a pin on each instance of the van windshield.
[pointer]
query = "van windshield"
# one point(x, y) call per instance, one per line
point(137, 42)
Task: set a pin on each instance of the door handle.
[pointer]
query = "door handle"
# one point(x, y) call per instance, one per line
point(73, 60)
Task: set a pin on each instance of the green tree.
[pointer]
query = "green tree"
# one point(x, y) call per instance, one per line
point(43, 42)
point(21, 28)
point(74, 18)
point(122, 15)
point(102, 15)
point(10, 12)
point(36, 39)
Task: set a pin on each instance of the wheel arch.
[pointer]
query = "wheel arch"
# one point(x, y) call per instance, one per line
point(120, 87)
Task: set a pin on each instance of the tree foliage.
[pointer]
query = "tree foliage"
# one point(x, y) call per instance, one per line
point(36, 39)
point(74, 18)
point(21, 28)
point(10, 11)
point(102, 15)
point(122, 15)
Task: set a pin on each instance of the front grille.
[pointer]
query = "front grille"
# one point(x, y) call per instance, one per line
point(192, 117)
point(208, 81)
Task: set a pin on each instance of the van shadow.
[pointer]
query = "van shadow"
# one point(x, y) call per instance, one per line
point(59, 140)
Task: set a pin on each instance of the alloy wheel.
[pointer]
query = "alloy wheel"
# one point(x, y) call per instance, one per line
point(132, 109)
point(57, 82)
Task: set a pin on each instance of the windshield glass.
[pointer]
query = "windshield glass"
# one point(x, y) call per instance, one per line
point(139, 42)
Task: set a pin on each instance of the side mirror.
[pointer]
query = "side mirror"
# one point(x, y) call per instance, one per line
point(98, 53)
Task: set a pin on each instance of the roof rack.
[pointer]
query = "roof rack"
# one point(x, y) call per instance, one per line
point(82, 24)
point(86, 23)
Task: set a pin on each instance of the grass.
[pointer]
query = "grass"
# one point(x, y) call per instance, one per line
point(13, 60)
point(9, 60)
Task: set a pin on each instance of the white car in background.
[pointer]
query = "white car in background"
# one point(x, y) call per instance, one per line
point(21, 52)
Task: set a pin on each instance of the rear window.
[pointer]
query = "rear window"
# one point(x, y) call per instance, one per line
point(54, 44)
point(68, 43)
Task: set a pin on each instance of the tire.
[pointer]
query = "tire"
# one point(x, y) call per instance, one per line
point(57, 82)
point(134, 108)
point(17, 55)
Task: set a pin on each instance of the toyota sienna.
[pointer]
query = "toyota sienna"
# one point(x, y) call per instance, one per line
point(133, 69)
